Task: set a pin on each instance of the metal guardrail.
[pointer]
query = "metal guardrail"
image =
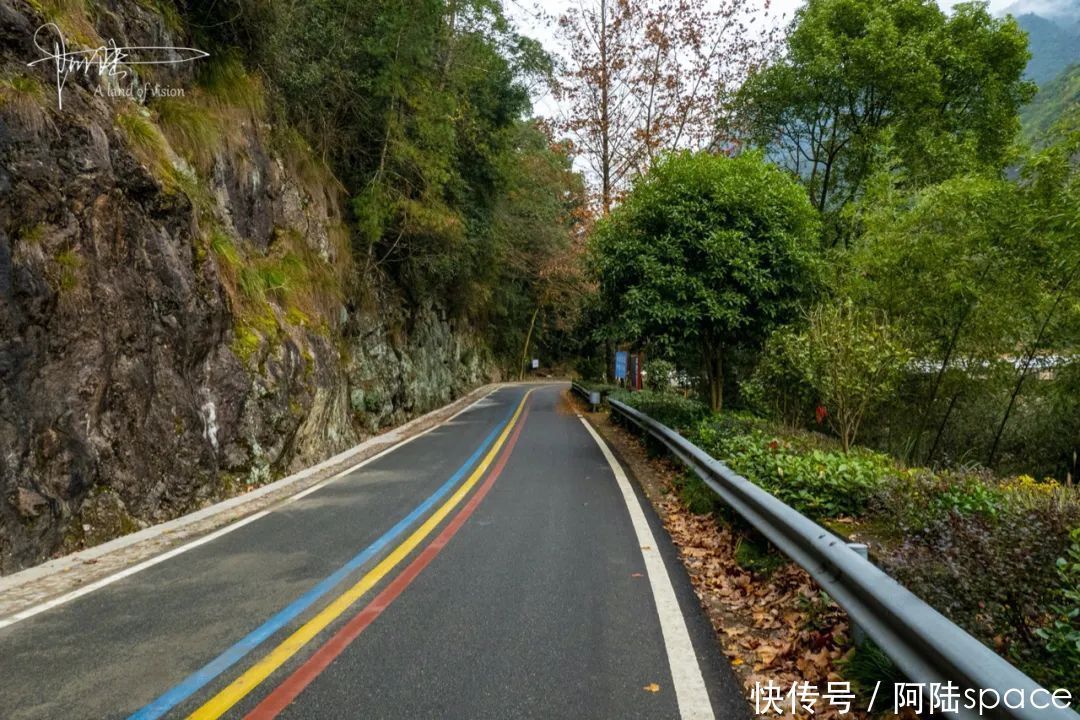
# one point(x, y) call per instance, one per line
point(925, 645)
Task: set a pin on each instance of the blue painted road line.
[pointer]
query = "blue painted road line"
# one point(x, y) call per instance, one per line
point(198, 679)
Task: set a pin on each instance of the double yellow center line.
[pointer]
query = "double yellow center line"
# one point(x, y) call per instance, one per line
point(239, 688)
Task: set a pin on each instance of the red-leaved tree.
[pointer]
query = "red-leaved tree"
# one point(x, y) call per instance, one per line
point(642, 78)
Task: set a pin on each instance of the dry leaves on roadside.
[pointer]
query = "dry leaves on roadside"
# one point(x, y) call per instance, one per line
point(775, 629)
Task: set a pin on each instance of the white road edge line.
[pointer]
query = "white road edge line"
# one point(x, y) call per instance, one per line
point(127, 572)
point(690, 691)
point(139, 567)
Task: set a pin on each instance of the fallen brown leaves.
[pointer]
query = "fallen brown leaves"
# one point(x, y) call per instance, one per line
point(772, 628)
point(775, 629)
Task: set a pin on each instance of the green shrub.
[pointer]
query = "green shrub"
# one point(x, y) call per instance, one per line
point(1061, 635)
point(994, 574)
point(851, 358)
point(867, 666)
point(779, 386)
point(756, 554)
point(673, 410)
point(969, 498)
point(917, 498)
point(695, 494)
point(658, 374)
point(818, 483)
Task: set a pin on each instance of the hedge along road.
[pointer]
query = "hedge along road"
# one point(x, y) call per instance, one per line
point(498, 566)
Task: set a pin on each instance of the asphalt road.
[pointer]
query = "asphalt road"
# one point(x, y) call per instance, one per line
point(490, 568)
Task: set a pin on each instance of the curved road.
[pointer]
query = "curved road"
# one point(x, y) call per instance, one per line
point(497, 566)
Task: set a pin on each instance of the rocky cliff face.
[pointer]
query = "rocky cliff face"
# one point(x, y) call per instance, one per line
point(177, 312)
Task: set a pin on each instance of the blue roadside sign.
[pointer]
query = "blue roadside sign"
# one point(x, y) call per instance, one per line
point(621, 358)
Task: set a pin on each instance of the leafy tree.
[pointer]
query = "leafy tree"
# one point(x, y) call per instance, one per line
point(983, 274)
point(1051, 323)
point(706, 250)
point(853, 360)
point(951, 264)
point(862, 80)
point(848, 358)
point(538, 283)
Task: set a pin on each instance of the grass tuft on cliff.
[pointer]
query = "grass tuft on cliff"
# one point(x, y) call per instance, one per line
point(72, 17)
point(216, 116)
point(21, 99)
point(288, 286)
point(65, 276)
point(193, 130)
point(167, 10)
point(309, 170)
point(230, 85)
point(146, 141)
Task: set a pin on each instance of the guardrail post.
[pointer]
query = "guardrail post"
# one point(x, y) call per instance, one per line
point(858, 635)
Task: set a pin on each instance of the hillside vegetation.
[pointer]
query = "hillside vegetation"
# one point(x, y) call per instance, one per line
point(343, 217)
point(1055, 103)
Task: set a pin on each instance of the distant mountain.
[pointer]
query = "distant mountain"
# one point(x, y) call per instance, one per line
point(1053, 28)
point(1054, 46)
point(1051, 9)
point(1055, 98)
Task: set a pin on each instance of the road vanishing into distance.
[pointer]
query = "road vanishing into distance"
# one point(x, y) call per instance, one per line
point(500, 565)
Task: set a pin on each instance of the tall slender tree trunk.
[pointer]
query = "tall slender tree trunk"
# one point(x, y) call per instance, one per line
point(714, 365)
point(605, 110)
point(1028, 359)
point(824, 197)
point(924, 417)
point(941, 427)
point(528, 339)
